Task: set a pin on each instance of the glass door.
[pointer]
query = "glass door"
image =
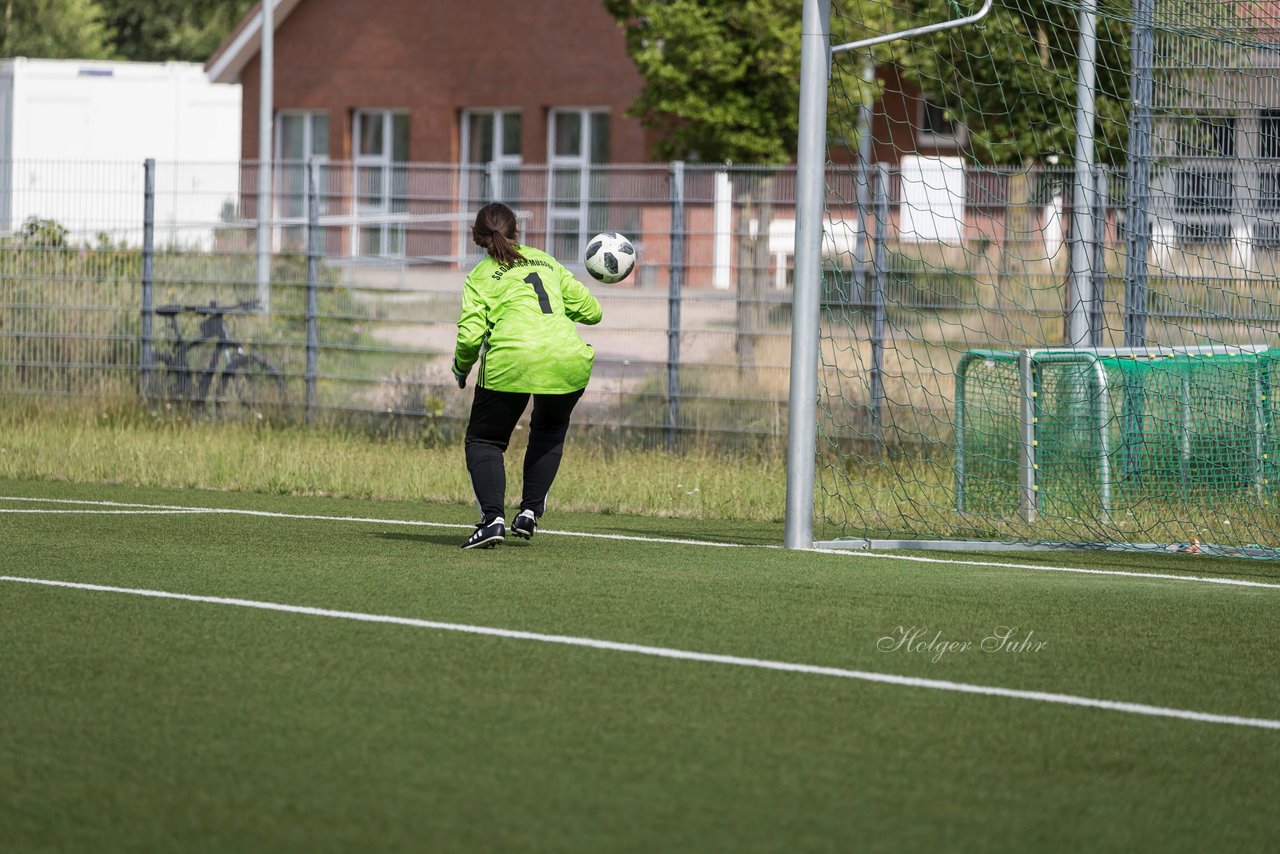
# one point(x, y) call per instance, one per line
point(381, 182)
point(579, 140)
point(490, 166)
point(301, 137)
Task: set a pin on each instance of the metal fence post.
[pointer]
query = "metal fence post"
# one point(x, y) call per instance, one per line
point(1098, 321)
point(858, 292)
point(313, 288)
point(493, 179)
point(880, 274)
point(673, 303)
point(863, 190)
point(1028, 500)
point(148, 356)
point(1080, 304)
point(1138, 215)
point(1138, 223)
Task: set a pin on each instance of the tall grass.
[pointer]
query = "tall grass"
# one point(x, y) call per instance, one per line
point(891, 495)
point(68, 316)
point(71, 319)
point(59, 441)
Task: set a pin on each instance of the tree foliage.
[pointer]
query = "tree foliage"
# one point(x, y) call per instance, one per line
point(160, 30)
point(140, 30)
point(722, 76)
point(1011, 78)
point(54, 29)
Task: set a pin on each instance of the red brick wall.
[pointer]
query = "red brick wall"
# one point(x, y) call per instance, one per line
point(893, 123)
point(436, 57)
point(1263, 15)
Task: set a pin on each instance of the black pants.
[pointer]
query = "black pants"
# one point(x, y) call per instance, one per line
point(493, 417)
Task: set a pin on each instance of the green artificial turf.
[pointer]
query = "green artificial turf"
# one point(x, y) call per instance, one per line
point(143, 724)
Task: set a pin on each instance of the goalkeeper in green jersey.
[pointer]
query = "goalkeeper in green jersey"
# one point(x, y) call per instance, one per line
point(517, 328)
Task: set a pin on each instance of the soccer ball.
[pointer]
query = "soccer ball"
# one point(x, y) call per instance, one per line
point(610, 257)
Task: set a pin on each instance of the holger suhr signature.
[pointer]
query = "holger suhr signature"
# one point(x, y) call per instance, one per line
point(919, 640)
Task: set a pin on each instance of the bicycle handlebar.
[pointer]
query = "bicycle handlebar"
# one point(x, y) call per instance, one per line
point(211, 309)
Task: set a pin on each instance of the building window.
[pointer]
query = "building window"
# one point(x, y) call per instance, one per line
point(1266, 229)
point(490, 135)
point(491, 160)
point(1205, 178)
point(578, 140)
point(936, 129)
point(492, 155)
point(381, 180)
point(300, 137)
point(1269, 135)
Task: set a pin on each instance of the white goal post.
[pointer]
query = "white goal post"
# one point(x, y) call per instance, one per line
point(815, 72)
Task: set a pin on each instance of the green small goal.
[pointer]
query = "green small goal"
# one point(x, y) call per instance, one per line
point(1087, 435)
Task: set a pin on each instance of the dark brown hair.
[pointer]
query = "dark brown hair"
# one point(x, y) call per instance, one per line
point(495, 232)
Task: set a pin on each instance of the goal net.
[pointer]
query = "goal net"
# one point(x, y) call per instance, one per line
point(1055, 319)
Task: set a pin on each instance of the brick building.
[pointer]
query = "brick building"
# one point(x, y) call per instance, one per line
point(538, 90)
point(479, 84)
point(447, 80)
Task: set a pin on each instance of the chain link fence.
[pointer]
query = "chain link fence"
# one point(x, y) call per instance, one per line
point(143, 282)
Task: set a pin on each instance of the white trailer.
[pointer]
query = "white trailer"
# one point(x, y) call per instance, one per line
point(74, 135)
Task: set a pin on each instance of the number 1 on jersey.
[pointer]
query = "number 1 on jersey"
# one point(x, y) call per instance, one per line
point(543, 300)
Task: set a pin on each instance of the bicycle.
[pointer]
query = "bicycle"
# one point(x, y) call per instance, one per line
point(238, 377)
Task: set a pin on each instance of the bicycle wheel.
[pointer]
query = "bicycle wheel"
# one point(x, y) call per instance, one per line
point(253, 387)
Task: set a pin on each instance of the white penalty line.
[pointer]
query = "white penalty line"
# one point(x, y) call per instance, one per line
point(849, 553)
point(269, 514)
point(683, 655)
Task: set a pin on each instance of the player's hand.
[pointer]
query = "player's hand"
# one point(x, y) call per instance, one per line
point(459, 375)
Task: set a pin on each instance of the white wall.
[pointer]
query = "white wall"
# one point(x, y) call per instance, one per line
point(932, 199)
point(79, 131)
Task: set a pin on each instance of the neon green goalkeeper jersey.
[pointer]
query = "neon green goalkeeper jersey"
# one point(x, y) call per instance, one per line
point(518, 321)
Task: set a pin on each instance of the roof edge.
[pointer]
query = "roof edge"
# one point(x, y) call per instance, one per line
point(244, 42)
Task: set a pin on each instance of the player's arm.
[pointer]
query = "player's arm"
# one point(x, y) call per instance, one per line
point(473, 323)
point(579, 304)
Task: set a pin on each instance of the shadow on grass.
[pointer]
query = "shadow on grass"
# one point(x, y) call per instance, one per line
point(450, 539)
point(454, 539)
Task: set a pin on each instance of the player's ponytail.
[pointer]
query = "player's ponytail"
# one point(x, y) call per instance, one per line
point(495, 233)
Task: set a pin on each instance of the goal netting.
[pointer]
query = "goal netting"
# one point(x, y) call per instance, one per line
point(1050, 302)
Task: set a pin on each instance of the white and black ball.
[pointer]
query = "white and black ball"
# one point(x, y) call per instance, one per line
point(610, 257)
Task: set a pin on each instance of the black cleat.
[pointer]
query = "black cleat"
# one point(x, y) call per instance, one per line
point(487, 535)
point(524, 525)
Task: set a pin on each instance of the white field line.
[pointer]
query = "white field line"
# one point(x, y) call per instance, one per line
point(1238, 582)
point(684, 655)
point(229, 511)
point(64, 512)
point(365, 519)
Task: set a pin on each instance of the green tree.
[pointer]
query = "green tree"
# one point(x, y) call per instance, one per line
point(722, 84)
point(162, 30)
point(722, 77)
point(54, 29)
point(1011, 78)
